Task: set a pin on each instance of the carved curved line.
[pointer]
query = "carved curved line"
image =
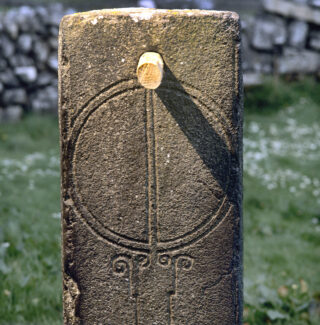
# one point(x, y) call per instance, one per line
point(118, 260)
point(210, 217)
point(104, 235)
point(100, 99)
point(115, 237)
point(197, 228)
point(184, 258)
point(179, 246)
point(123, 81)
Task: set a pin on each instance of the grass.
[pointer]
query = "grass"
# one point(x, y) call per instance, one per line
point(30, 285)
point(281, 211)
point(281, 203)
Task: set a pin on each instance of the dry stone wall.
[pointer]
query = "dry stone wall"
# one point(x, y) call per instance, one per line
point(284, 38)
point(28, 59)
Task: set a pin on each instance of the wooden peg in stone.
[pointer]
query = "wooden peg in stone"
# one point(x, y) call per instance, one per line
point(150, 70)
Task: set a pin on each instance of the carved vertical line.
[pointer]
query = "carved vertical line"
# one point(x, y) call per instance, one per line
point(155, 165)
point(170, 313)
point(130, 278)
point(136, 310)
point(174, 265)
point(146, 127)
point(152, 204)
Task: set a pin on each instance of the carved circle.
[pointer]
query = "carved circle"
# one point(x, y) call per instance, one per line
point(164, 260)
point(121, 265)
point(94, 224)
point(184, 263)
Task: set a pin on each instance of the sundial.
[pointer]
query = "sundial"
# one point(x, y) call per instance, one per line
point(151, 169)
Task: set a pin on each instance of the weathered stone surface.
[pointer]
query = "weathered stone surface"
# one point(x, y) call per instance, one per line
point(151, 179)
point(295, 61)
point(294, 10)
point(298, 33)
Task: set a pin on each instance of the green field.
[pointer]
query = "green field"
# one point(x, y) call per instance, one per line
point(281, 211)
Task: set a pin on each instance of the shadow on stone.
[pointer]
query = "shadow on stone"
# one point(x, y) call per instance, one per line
point(209, 145)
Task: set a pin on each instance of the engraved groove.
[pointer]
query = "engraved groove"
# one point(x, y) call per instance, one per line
point(106, 89)
point(122, 240)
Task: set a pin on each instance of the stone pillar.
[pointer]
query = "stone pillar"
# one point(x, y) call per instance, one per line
point(151, 178)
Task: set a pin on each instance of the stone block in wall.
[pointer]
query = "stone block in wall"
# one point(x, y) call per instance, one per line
point(6, 46)
point(53, 42)
point(20, 60)
point(45, 100)
point(27, 20)
point(147, 4)
point(57, 11)
point(251, 79)
point(45, 78)
point(1, 20)
point(304, 2)
point(24, 43)
point(315, 40)
point(298, 33)
point(11, 114)
point(296, 61)
point(314, 3)
point(53, 61)
point(293, 10)
point(41, 50)
point(185, 4)
point(28, 56)
point(8, 78)
point(268, 31)
point(253, 61)
point(10, 25)
point(27, 75)
point(54, 31)
point(15, 96)
point(3, 64)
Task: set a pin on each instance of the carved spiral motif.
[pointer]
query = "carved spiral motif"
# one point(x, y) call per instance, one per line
point(184, 262)
point(121, 265)
point(143, 260)
point(164, 260)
